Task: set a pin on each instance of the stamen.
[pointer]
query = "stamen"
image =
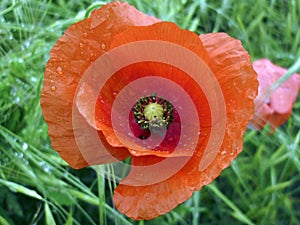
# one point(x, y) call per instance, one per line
point(152, 112)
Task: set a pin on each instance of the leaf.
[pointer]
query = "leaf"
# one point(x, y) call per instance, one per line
point(3, 221)
point(21, 189)
point(49, 217)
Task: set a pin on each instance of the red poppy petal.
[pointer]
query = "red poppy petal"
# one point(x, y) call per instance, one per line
point(72, 54)
point(231, 66)
point(275, 108)
point(160, 31)
point(230, 63)
point(155, 69)
point(149, 201)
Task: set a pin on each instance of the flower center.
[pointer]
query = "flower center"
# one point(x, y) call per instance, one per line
point(153, 113)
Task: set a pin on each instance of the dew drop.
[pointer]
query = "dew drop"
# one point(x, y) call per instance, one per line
point(80, 44)
point(84, 34)
point(170, 139)
point(59, 70)
point(24, 146)
point(52, 81)
point(53, 88)
point(103, 46)
point(224, 152)
point(115, 93)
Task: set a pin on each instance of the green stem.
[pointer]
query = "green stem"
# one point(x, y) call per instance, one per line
point(10, 8)
point(292, 70)
point(196, 211)
point(101, 193)
point(92, 7)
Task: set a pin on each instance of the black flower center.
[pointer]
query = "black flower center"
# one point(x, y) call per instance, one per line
point(153, 113)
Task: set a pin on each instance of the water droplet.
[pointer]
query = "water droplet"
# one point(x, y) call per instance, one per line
point(224, 152)
point(45, 167)
point(53, 88)
point(102, 101)
point(34, 79)
point(84, 34)
point(199, 132)
point(59, 70)
point(170, 139)
point(115, 93)
point(52, 81)
point(24, 146)
point(80, 45)
point(17, 100)
point(27, 43)
point(103, 46)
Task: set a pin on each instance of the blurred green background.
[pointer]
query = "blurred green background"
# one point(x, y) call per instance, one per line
point(37, 187)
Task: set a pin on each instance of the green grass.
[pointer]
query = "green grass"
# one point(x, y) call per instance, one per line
point(37, 187)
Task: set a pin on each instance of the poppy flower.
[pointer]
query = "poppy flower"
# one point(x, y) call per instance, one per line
point(122, 84)
point(276, 107)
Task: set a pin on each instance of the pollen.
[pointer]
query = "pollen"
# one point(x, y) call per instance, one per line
point(153, 112)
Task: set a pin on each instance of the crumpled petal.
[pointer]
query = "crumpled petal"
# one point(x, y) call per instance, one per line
point(277, 108)
point(163, 31)
point(231, 66)
point(71, 55)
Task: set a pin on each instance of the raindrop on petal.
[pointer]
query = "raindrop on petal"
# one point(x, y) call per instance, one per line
point(59, 70)
point(224, 152)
